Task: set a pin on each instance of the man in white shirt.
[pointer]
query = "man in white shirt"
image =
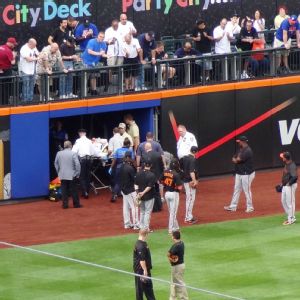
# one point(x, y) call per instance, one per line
point(185, 142)
point(28, 58)
point(233, 26)
point(133, 56)
point(126, 26)
point(113, 39)
point(83, 147)
point(222, 38)
point(123, 134)
point(114, 142)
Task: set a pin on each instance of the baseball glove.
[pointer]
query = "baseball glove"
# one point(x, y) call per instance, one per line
point(278, 188)
point(173, 258)
point(137, 200)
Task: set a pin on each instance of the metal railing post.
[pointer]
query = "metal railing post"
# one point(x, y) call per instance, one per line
point(159, 76)
point(83, 84)
point(187, 71)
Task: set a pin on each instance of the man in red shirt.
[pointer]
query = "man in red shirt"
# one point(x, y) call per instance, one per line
point(7, 60)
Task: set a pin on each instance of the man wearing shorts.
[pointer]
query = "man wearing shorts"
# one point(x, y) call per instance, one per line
point(283, 40)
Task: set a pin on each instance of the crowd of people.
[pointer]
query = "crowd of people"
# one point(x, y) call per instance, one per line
point(121, 44)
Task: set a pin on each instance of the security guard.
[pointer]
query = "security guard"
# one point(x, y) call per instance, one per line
point(83, 147)
point(185, 142)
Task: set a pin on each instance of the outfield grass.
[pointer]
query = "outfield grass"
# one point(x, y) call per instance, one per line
point(251, 259)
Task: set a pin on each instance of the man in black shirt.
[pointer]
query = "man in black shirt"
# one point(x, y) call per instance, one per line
point(60, 34)
point(243, 161)
point(173, 185)
point(202, 38)
point(142, 265)
point(176, 258)
point(127, 175)
point(145, 187)
point(248, 36)
point(157, 168)
point(190, 183)
point(289, 186)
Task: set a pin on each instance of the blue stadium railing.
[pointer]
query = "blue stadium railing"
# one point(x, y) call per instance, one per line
point(165, 74)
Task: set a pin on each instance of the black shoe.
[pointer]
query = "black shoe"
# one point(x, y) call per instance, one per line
point(78, 206)
point(94, 93)
point(114, 198)
point(86, 195)
point(65, 207)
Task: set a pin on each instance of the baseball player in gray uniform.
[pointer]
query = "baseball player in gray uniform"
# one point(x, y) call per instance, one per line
point(172, 186)
point(244, 175)
point(289, 186)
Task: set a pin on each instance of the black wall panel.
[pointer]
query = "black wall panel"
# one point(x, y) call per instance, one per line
point(212, 116)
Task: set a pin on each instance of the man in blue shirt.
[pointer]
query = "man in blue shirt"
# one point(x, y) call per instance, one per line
point(84, 33)
point(95, 51)
point(282, 39)
point(116, 167)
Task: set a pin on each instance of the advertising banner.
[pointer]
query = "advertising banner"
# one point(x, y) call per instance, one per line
point(268, 116)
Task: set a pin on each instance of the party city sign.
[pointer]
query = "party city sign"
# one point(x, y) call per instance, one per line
point(13, 14)
point(146, 5)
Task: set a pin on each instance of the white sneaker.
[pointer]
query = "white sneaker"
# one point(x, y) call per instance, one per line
point(249, 210)
point(72, 95)
point(63, 97)
point(229, 208)
point(244, 75)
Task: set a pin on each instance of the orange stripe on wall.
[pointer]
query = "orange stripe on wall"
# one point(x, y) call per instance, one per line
point(150, 95)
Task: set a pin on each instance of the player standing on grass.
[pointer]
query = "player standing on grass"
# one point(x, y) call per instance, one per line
point(244, 175)
point(172, 185)
point(142, 265)
point(176, 258)
point(289, 186)
point(190, 183)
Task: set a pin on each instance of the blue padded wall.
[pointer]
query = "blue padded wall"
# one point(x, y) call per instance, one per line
point(30, 154)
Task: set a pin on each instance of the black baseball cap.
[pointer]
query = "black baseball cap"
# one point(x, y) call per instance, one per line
point(242, 138)
point(82, 130)
point(151, 34)
point(194, 149)
point(148, 162)
point(287, 155)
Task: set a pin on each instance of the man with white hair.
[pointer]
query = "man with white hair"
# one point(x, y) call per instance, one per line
point(28, 58)
point(185, 142)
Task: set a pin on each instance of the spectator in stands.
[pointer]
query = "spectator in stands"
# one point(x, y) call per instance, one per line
point(133, 55)
point(7, 60)
point(222, 38)
point(244, 21)
point(114, 142)
point(49, 58)
point(68, 53)
point(126, 27)
point(259, 24)
point(72, 25)
point(283, 40)
point(147, 43)
point(248, 37)
point(133, 130)
point(159, 53)
point(280, 17)
point(259, 63)
point(28, 58)
point(233, 26)
point(84, 33)
point(60, 34)
point(195, 70)
point(95, 51)
point(114, 41)
point(202, 38)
